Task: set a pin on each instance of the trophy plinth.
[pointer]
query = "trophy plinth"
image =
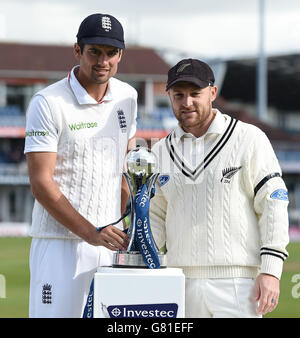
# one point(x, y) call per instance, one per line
point(140, 177)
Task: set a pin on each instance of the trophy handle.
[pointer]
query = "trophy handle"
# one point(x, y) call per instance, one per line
point(131, 229)
point(152, 181)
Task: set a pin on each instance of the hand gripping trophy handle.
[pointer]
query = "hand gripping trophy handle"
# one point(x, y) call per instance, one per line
point(142, 251)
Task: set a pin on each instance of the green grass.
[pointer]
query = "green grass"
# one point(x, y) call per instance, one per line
point(14, 266)
point(289, 307)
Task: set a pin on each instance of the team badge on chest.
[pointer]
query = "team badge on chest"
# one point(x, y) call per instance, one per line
point(122, 121)
point(228, 173)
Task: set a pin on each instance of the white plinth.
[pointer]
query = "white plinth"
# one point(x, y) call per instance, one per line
point(139, 293)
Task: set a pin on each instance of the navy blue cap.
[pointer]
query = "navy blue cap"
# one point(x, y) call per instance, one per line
point(101, 29)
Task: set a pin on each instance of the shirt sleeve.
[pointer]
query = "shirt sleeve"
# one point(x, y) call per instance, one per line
point(41, 132)
point(270, 204)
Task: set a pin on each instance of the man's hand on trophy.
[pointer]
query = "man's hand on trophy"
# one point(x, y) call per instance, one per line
point(112, 238)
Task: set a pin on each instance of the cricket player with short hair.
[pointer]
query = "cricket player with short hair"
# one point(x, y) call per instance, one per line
point(79, 130)
point(220, 204)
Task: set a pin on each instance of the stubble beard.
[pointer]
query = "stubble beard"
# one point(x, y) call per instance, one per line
point(198, 121)
point(99, 79)
point(103, 79)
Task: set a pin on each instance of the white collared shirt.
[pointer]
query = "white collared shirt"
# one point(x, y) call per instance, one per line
point(40, 122)
point(82, 96)
point(90, 139)
point(194, 148)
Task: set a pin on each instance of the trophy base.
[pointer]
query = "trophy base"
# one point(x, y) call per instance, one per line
point(134, 259)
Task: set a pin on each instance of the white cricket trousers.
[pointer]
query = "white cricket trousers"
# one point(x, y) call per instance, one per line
point(220, 298)
point(61, 272)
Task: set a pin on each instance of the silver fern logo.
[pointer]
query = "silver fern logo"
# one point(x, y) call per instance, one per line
point(228, 173)
point(182, 67)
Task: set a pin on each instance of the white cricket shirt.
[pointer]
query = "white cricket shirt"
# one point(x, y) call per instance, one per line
point(90, 139)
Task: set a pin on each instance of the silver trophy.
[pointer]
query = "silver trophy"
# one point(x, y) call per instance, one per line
point(141, 172)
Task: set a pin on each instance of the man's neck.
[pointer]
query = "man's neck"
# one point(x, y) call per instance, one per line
point(201, 129)
point(95, 90)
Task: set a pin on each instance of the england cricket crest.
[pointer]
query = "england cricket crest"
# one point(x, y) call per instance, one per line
point(106, 23)
point(47, 294)
point(122, 121)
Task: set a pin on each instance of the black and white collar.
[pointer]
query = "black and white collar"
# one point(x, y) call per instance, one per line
point(194, 172)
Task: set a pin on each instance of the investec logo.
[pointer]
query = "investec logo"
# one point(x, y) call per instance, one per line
point(82, 125)
point(168, 310)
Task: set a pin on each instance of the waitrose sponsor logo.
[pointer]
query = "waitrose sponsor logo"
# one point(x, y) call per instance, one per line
point(82, 125)
point(37, 133)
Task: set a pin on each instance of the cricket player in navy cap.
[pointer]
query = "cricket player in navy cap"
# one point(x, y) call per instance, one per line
point(79, 131)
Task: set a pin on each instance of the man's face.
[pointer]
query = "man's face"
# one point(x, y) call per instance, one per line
point(98, 63)
point(192, 106)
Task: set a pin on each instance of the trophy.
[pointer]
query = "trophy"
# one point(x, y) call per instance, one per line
point(142, 251)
